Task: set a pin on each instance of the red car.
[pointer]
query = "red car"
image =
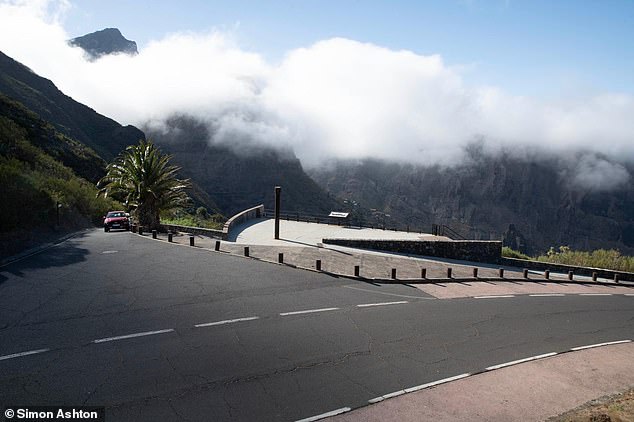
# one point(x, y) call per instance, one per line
point(116, 220)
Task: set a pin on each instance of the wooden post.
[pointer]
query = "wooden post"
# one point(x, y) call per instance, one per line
point(278, 193)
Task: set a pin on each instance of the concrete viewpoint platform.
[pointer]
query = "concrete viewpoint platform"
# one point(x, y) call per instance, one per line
point(299, 233)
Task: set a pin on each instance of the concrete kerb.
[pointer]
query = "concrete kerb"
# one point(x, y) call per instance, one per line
point(386, 280)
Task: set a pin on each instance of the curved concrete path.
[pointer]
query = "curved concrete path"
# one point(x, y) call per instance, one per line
point(531, 391)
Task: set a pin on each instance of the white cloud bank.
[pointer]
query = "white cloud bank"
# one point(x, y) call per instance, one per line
point(337, 98)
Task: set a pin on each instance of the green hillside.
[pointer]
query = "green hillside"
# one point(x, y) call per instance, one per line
point(36, 177)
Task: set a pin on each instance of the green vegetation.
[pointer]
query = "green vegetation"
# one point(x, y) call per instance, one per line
point(610, 259)
point(601, 258)
point(201, 218)
point(512, 253)
point(143, 179)
point(33, 184)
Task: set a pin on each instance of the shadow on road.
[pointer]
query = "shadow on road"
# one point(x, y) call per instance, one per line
point(60, 255)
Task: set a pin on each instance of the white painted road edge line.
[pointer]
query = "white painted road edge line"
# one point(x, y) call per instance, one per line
point(515, 362)
point(326, 415)
point(147, 333)
point(227, 321)
point(600, 344)
point(595, 294)
point(417, 388)
point(548, 295)
point(492, 296)
point(366, 305)
point(17, 355)
point(308, 311)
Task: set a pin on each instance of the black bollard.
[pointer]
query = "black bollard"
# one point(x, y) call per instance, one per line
point(170, 237)
point(570, 275)
point(525, 273)
point(217, 247)
point(356, 271)
point(280, 258)
point(246, 251)
point(154, 234)
point(501, 272)
point(547, 274)
point(423, 273)
point(475, 273)
point(318, 265)
point(191, 240)
point(393, 273)
point(448, 272)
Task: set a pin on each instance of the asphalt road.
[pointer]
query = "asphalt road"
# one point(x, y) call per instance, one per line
point(154, 331)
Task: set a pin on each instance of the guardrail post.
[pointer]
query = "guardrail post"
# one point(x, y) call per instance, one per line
point(501, 272)
point(525, 273)
point(393, 273)
point(570, 275)
point(423, 273)
point(246, 251)
point(169, 237)
point(356, 271)
point(154, 234)
point(191, 240)
point(448, 272)
point(280, 258)
point(547, 274)
point(318, 264)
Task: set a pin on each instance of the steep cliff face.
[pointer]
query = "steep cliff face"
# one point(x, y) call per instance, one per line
point(482, 198)
point(80, 122)
point(239, 177)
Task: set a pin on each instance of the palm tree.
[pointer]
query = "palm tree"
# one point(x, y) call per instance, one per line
point(143, 179)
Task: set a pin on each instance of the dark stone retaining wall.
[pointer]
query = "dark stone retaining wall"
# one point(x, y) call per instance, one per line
point(587, 271)
point(467, 250)
point(192, 230)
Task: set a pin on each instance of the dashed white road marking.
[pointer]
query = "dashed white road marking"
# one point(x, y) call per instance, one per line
point(595, 294)
point(492, 296)
point(548, 295)
point(515, 362)
point(308, 311)
point(326, 415)
point(629, 294)
point(109, 252)
point(600, 344)
point(367, 305)
point(389, 294)
point(147, 333)
point(18, 355)
point(226, 321)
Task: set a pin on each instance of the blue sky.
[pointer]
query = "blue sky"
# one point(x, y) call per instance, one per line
point(541, 48)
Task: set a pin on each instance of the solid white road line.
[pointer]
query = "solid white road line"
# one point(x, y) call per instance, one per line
point(492, 296)
point(515, 362)
point(600, 344)
point(326, 415)
point(308, 311)
point(147, 333)
point(595, 294)
point(434, 383)
point(227, 321)
point(548, 295)
point(416, 388)
point(388, 294)
point(629, 294)
point(366, 305)
point(17, 355)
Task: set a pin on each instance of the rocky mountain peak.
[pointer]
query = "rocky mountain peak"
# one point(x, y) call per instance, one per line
point(104, 42)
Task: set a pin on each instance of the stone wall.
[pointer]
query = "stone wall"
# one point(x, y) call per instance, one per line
point(587, 271)
point(467, 250)
point(241, 217)
point(192, 230)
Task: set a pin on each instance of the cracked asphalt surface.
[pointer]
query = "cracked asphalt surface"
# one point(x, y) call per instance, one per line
point(276, 367)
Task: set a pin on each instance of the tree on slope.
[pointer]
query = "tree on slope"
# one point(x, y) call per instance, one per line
point(142, 178)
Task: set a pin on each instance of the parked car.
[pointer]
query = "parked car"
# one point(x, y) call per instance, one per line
point(116, 220)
